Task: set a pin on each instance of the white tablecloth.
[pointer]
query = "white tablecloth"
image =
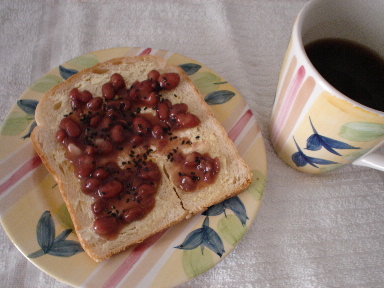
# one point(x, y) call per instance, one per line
point(311, 231)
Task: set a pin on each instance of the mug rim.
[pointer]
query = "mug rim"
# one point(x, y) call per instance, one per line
point(297, 33)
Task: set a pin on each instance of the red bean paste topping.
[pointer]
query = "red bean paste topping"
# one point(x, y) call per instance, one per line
point(102, 127)
point(194, 169)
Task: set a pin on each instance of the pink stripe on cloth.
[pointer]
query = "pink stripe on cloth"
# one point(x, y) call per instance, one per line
point(131, 260)
point(239, 126)
point(24, 169)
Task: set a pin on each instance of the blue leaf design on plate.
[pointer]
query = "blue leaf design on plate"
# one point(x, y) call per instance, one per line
point(193, 240)
point(34, 124)
point(203, 237)
point(65, 248)
point(213, 241)
point(37, 254)
point(190, 68)
point(206, 222)
point(300, 159)
point(234, 204)
point(66, 72)
point(215, 210)
point(237, 206)
point(219, 97)
point(63, 235)
point(316, 141)
point(28, 105)
point(58, 246)
point(45, 231)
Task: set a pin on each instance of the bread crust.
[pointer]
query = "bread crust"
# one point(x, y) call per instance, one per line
point(172, 203)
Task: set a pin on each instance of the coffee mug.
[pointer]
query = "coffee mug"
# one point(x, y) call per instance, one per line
point(315, 128)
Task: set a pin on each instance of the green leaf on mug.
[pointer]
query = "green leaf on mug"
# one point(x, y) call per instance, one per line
point(46, 83)
point(355, 155)
point(206, 82)
point(362, 131)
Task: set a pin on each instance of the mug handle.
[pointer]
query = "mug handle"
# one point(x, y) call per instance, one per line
point(373, 160)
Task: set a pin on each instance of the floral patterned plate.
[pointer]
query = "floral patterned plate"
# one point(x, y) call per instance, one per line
point(35, 217)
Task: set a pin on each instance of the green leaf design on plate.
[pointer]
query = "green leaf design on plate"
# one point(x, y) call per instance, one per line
point(219, 97)
point(195, 263)
point(16, 123)
point(362, 131)
point(256, 189)
point(207, 82)
point(82, 62)
point(65, 218)
point(46, 83)
point(231, 229)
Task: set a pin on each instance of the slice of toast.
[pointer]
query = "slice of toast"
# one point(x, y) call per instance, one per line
point(173, 202)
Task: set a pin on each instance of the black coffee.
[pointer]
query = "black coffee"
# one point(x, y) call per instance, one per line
point(353, 69)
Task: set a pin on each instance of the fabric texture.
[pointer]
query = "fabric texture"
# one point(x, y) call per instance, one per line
point(311, 231)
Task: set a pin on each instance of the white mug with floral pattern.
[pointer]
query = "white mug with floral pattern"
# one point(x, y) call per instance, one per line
point(314, 127)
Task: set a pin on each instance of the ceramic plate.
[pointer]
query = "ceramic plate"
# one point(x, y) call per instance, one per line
point(35, 217)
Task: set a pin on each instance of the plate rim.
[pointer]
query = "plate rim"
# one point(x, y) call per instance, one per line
point(112, 51)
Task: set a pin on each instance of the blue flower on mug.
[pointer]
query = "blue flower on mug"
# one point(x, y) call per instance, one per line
point(316, 141)
point(300, 159)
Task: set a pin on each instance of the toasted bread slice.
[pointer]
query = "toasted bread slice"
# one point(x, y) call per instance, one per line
point(173, 204)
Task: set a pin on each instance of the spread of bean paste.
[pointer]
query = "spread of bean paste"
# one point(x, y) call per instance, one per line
point(101, 127)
